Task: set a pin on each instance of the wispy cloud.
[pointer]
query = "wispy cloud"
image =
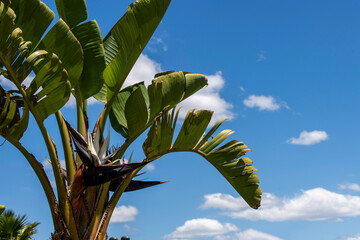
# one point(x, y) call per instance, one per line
point(309, 138)
point(350, 237)
point(223, 201)
point(350, 186)
point(201, 227)
point(71, 103)
point(261, 56)
point(149, 167)
point(124, 214)
point(7, 83)
point(157, 43)
point(311, 205)
point(47, 164)
point(354, 237)
point(264, 103)
point(252, 234)
point(48, 168)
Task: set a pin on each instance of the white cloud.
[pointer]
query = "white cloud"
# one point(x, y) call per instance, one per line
point(144, 70)
point(209, 98)
point(348, 237)
point(7, 83)
point(249, 234)
point(223, 201)
point(124, 214)
point(261, 56)
point(263, 103)
point(252, 234)
point(201, 227)
point(227, 202)
point(149, 167)
point(211, 228)
point(338, 220)
point(309, 138)
point(71, 103)
point(156, 43)
point(311, 205)
point(350, 186)
point(47, 164)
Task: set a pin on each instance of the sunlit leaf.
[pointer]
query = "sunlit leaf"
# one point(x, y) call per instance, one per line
point(89, 36)
point(72, 12)
point(226, 158)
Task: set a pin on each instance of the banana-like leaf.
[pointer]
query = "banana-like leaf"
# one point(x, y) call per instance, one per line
point(72, 12)
point(13, 121)
point(61, 41)
point(89, 36)
point(131, 34)
point(135, 107)
point(169, 89)
point(50, 89)
point(33, 17)
point(226, 159)
point(117, 112)
point(110, 48)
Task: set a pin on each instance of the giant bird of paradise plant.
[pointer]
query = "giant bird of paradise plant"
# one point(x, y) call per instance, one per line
point(73, 58)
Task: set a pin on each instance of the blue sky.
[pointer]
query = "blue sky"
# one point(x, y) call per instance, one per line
point(286, 75)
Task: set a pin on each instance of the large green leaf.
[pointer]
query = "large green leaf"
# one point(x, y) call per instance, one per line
point(131, 34)
point(89, 36)
point(61, 41)
point(33, 17)
point(227, 159)
point(101, 95)
point(165, 91)
point(72, 12)
point(49, 90)
point(111, 49)
point(136, 111)
point(169, 89)
point(117, 112)
point(51, 87)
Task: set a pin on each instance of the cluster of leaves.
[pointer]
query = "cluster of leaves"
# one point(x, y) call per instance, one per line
point(14, 226)
point(73, 58)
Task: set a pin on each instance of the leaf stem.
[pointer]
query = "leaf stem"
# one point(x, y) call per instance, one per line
point(68, 151)
point(44, 180)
